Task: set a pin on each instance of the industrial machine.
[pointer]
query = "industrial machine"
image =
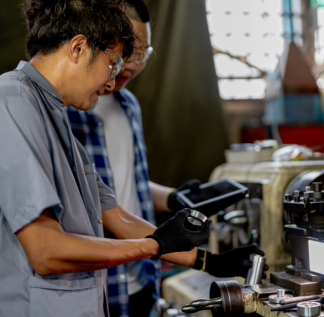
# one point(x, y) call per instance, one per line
point(284, 214)
point(302, 280)
point(260, 217)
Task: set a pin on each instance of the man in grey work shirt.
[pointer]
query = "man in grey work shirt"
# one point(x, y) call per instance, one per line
point(53, 204)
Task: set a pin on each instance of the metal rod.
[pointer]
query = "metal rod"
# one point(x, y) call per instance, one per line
point(188, 309)
point(299, 299)
point(254, 275)
point(284, 307)
point(205, 302)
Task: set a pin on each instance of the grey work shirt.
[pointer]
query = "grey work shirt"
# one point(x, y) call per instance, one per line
point(42, 166)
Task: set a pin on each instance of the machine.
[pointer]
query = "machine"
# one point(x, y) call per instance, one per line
point(284, 213)
point(260, 217)
point(301, 284)
point(304, 214)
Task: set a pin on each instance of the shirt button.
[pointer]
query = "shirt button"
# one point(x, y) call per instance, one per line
point(122, 276)
point(100, 221)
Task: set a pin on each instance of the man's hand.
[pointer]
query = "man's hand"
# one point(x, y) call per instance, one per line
point(173, 202)
point(172, 236)
point(232, 263)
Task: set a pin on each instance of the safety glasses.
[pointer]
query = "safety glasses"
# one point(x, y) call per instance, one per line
point(140, 56)
point(117, 61)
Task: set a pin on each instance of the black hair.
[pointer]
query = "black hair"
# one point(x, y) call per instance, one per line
point(137, 10)
point(50, 23)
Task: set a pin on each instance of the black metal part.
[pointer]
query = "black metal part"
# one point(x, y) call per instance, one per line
point(231, 294)
point(299, 209)
point(306, 209)
point(213, 304)
point(293, 229)
point(199, 303)
point(284, 307)
point(188, 309)
point(316, 233)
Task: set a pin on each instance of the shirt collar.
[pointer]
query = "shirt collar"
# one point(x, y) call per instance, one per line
point(38, 78)
point(119, 96)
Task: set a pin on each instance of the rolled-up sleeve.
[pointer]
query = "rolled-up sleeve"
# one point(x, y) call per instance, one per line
point(27, 184)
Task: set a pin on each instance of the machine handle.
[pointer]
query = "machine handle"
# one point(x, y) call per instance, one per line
point(188, 309)
point(200, 303)
point(299, 299)
point(284, 307)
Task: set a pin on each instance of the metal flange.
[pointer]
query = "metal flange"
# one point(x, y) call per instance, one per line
point(309, 309)
point(276, 299)
point(231, 294)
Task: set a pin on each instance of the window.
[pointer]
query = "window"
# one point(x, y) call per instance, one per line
point(247, 37)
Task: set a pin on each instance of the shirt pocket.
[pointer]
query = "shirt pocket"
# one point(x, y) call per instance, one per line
point(70, 298)
point(91, 176)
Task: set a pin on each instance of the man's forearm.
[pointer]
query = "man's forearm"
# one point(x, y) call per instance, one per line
point(52, 251)
point(124, 225)
point(182, 258)
point(159, 195)
point(127, 226)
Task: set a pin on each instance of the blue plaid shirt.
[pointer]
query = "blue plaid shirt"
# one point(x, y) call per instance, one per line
point(88, 129)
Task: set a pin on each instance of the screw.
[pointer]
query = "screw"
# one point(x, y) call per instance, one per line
point(317, 186)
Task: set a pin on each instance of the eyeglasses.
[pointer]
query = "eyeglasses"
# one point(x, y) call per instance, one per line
point(140, 56)
point(117, 61)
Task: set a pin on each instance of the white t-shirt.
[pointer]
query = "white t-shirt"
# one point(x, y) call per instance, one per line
point(120, 144)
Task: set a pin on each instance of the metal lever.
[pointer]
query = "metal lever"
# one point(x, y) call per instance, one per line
point(202, 304)
point(299, 299)
point(284, 307)
point(205, 302)
point(190, 309)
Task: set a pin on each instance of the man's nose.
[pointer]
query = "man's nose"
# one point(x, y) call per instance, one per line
point(110, 84)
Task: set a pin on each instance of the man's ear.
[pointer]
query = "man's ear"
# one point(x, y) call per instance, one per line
point(77, 47)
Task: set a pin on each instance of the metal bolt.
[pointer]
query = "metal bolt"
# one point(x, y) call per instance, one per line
point(317, 186)
point(275, 299)
point(288, 197)
point(296, 196)
point(308, 189)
